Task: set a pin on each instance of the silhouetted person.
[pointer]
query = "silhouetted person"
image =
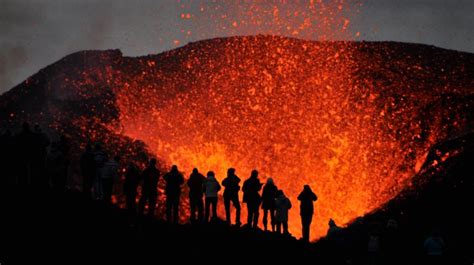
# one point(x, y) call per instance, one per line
point(64, 145)
point(7, 159)
point(306, 198)
point(212, 187)
point(24, 145)
point(373, 245)
point(88, 169)
point(130, 185)
point(434, 246)
point(391, 243)
point(150, 176)
point(40, 143)
point(57, 165)
point(268, 203)
point(333, 228)
point(196, 183)
point(231, 194)
point(251, 189)
point(100, 157)
point(282, 206)
point(110, 175)
point(174, 179)
point(337, 244)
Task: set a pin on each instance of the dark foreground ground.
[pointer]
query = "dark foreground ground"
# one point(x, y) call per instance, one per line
point(44, 226)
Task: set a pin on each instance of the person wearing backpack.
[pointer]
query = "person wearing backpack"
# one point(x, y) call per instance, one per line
point(211, 188)
point(282, 206)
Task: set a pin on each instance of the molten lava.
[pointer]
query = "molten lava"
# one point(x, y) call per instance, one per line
point(298, 111)
point(353, 120)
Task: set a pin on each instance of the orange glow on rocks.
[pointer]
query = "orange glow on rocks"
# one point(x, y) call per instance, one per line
point(330, 114)
point(354, 120)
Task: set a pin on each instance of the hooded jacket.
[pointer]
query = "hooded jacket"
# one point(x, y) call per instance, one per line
point(282, 206)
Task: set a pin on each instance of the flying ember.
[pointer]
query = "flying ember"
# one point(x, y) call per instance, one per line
point(354, 120)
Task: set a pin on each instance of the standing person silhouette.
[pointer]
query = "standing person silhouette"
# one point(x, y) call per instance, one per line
point(268, 203)
point(39, 154)
point(150, 178)
point(7, 159)
point(24, 141)
point(110, 175)
point(212, 187)
point(282, 206)
point(306, 197)
point(231, 194)
point(132, 176)
point(174, 179)
point(196, 183)
point(87, 165)
point(100, 157)
point(435, 247)
point(251, 189)
point(57, 167)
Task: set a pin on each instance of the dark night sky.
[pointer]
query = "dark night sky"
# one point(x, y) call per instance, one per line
point(35, 33)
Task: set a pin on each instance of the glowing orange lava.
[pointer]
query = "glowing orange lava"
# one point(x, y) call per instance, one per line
point(308, 19)
point(354, 120)
point(297, 111)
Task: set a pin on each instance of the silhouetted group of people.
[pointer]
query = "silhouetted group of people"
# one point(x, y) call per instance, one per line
point(149, 178)
point(99, 172)
point(30, 158)
point(203, 197)
point(26, 160)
